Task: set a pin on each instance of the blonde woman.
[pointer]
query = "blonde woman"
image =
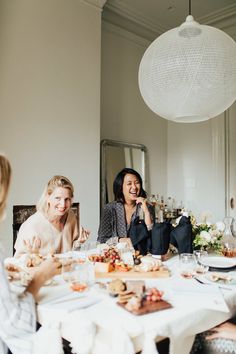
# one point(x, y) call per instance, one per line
point(17, 313)
point(53, 228)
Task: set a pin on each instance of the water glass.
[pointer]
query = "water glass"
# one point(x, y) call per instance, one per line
point(112, 241)
point(88, 246)
point(83, 274)
point(187, 265)
point(76, 245)
point(201, 256)
point(67, 271)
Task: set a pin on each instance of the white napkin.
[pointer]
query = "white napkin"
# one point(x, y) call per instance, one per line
point(80, 331)
point(189, 291)
point(149, 345)
point(48, 340)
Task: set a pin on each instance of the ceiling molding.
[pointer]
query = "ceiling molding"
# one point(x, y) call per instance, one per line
point(122, 10)
point(222, 19)
point(109, 27)
point(98, 4)
point(121, 15)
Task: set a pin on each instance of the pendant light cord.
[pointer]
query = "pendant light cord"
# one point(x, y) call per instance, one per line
point(189, 7)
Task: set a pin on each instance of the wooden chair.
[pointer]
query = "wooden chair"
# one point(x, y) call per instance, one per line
point(22, 212)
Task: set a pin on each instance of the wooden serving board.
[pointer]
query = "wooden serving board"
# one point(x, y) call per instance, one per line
point(148, 307)
point(161, 273)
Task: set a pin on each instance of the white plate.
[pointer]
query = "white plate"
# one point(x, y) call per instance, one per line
point(218, 262)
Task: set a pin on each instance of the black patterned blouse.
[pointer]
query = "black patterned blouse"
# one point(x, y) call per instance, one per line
point(113, 221)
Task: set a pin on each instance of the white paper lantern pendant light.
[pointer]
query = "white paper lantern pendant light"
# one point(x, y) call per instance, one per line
point(188, 74)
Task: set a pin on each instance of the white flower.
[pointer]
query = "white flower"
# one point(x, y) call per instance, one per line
point(214, 233)
point(205, 235)
point(220, 226)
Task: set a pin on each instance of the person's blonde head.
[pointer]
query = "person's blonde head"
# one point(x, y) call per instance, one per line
point(53, 183)
point(5, 176)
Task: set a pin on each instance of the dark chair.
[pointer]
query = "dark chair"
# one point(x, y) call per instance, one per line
point(23, 212)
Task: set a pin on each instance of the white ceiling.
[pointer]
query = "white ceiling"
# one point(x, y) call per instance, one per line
point(157, 16)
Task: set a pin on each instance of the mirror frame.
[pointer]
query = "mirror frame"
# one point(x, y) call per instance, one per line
point(103, 166)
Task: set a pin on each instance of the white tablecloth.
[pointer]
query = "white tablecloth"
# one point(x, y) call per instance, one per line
point(95, 324)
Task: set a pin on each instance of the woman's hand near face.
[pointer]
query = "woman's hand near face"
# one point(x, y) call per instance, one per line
point(143, 202)
point(32, 245)
point(226, 330)
point(144, 206)
point(84, 235)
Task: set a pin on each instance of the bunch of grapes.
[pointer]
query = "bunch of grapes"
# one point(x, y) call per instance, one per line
point(111, 255)
point(153, 294)
point(96, 258)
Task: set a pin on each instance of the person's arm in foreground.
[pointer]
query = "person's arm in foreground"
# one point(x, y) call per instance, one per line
point(225, 330)
point(17, 311)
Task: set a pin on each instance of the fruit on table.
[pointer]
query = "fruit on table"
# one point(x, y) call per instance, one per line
point(153, 294)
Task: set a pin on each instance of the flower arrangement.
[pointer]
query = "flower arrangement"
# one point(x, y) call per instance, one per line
point(206, 235)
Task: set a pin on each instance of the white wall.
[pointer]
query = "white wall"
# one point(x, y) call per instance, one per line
point(186, 160)
point(124, 115)
point(196, 169)
point(49, 100)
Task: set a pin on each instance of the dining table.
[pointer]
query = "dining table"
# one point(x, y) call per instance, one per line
point(93, 322)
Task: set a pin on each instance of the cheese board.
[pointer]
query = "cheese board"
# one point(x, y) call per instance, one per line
point(163, 272)
point(148, 307)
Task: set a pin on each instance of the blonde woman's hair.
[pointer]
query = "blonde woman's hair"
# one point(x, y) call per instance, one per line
point(55, 182)
point(5, 177)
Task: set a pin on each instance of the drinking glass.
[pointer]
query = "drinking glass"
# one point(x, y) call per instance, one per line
point(83, 274)
point(76, 246)
point(200, 256)
point(112, 241)
point(89, 245)
point(187, 265)
point(67, 270)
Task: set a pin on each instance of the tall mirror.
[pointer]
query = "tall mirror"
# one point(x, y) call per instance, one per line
point(115, 155)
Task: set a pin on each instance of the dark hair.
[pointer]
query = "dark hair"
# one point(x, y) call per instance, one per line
point(118, 184)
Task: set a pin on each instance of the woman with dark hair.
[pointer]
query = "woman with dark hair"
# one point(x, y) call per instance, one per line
point(129, 207)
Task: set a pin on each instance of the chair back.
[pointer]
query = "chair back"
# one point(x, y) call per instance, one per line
point(22, 212)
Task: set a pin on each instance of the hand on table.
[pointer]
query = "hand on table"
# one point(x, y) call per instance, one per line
point(225, 330)
point(45, 271)
point(48, 268)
